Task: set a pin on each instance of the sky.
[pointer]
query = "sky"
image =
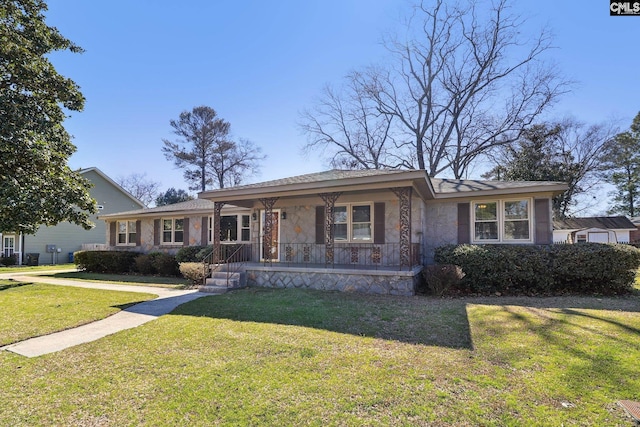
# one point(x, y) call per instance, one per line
point(259, 63)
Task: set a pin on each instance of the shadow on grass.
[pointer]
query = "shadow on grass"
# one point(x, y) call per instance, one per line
point(414, 320)
point(11, 284)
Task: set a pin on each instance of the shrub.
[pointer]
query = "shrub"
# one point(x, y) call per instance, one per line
point(441, 278)
point(189, 254)
point(582, 268)
point(195, 272)
point(166, 265)
point(8, 260)
point(105, 261)
point(144, 264)
point(595, 268)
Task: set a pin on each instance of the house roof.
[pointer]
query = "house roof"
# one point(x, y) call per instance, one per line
point(352, 181)
point(376, 179)
point(112, 182)
point(605, 222)
point(192, 206)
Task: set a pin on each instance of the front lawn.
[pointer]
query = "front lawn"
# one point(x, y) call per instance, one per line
point(35, 268)
point(293, 357)
point(30, 310)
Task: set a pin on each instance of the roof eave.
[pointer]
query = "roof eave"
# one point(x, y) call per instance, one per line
point(554, 189)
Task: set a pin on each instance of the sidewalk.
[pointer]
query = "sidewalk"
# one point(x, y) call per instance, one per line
point(168, 299)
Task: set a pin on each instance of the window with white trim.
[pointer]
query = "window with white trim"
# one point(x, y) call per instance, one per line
point(353, 223)
point(172, 230)
point(502, 221)
point(126, 233)
point(232, 227)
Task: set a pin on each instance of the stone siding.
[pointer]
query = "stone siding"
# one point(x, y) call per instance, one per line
point(360, 281)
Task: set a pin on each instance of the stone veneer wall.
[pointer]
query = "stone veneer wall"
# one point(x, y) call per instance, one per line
point(361, 281)
point(441, 226)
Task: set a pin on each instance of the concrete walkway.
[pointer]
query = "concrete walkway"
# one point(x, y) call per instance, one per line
point(168, 299)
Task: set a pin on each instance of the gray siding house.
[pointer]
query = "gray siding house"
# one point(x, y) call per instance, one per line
point(367, 230)
point(55, 244)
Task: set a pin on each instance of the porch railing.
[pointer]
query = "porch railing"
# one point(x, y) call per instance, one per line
point(343, 255)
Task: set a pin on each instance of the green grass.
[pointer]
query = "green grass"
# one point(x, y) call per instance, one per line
point(293, 357)
point(129, 279)
point(24, 268)
point(30, 310)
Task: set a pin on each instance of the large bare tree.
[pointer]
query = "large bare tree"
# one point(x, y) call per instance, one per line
point(140, 187)
point(461, 82)
point(206, 152)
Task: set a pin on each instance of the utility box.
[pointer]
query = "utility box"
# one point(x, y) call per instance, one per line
point(51, 248)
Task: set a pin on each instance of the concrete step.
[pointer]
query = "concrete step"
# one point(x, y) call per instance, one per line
point(235, 280)
point(213, 289)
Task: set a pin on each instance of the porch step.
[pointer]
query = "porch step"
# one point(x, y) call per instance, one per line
point(219, 279)
point(213, 289)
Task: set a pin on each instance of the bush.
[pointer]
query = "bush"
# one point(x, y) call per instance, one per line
point(105, 261)
point(144, 264)
point(442, 278)
point(590, 268)
point(166, 265)
point(8, 260)
point(195, 272)
point(190, 254)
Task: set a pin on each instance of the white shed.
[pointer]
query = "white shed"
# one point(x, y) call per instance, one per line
point(610, 229)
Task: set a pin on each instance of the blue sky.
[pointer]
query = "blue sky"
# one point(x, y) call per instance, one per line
point(259, 63)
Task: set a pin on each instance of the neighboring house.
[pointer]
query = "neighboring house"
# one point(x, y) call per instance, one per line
point(366, 230)
point(55, 244)
point(601, 229)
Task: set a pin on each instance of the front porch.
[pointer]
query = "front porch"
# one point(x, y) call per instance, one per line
point(364, 268)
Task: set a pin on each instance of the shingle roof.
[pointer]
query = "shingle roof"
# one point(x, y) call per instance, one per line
point(331, 175)
point(606, 222)
point(189, 205)
point(468, 185)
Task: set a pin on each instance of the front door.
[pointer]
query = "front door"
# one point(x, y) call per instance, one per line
point(273, 238)
point(8, 245)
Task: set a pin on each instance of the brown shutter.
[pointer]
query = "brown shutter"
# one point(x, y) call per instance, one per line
point(156, 232)
point(138, 233)
point(112, 233)
point(378, 223)
point(185, 233)
point(464, 223)
point(543, 229)
point(320, 225)
point(204, 237)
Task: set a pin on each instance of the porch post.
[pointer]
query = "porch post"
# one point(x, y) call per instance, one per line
point(404, 197)
point(215, 231)
point(329, 219)
point(268, 225)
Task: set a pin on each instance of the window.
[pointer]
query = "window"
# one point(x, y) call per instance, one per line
point(232, 226)
point(352, 223)
point(502, 221)
point(172, 230)
point(126, 233)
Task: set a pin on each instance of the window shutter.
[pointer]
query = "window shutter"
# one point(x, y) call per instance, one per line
point(464, 223)
point(156, 232)
point(185, 233)
point(378, 223)
point(543, 229)
point(138, 233)
point(204, 237)
point(320, 225)
point(112, 233)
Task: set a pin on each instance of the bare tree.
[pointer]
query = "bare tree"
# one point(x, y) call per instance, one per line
point(140, 187)
point(462, 82)
point(206, 153)
point(347, 125)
